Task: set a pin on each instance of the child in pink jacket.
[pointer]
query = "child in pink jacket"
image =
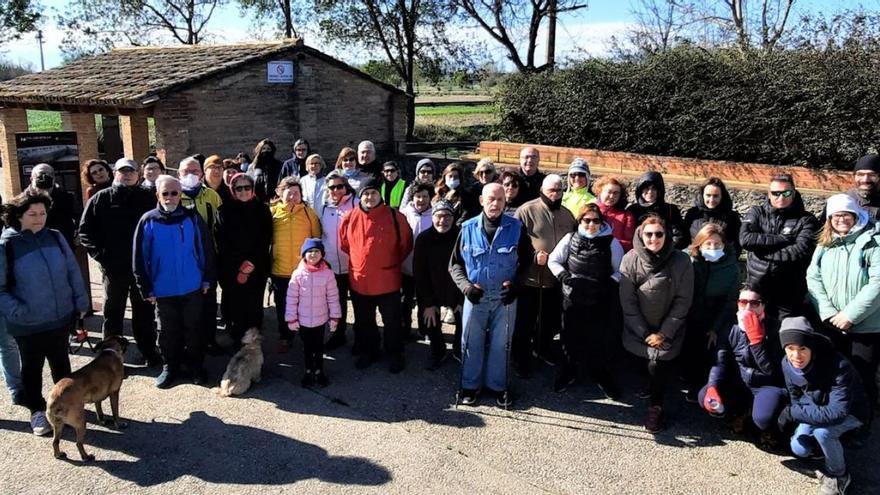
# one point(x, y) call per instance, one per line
point(312, 301)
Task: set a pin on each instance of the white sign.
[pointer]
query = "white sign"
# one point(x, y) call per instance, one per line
point(280, 72)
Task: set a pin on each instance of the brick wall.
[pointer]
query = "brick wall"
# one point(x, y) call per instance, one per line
point(328, 106)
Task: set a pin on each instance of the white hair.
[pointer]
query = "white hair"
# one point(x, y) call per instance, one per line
point(163, 179)
point(43, 167)
point(367, 145)
point(551, 180)
point(186, 161)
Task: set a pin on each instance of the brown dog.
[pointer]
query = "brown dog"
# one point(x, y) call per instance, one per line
point(93, 383)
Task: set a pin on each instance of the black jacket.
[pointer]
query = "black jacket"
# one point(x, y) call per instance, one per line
point(670, 213)
point(64, 213)
point(266, 171)
point(529, 186)
point(108, 224)
point(434, 285)
point(756, 364)
point(244, 232)
point(724, 215)
point(780, 245)
point(373, 168)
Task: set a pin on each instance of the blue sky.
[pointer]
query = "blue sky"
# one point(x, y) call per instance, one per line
point(589, 30)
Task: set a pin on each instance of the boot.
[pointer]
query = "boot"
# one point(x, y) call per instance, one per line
point(165, 378)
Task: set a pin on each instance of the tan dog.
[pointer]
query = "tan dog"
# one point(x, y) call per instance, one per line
point(245, 367)
point(93, 383)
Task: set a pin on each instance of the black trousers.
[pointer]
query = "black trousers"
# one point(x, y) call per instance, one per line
point(659, 373)
point(279, 294)
point(536, 306)
point(208, 316)
point(365, 322)
point(34, 351)
point(313, 347)
point(180, 338)
point(863, 350)
point(342, 284)
point(408, 302)
point(118, 288)
point(242, 305)
point(589, 339)
point(696, 360)
point(435, 332)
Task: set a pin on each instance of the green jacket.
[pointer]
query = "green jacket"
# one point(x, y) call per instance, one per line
point(575, 199)
point(845, 276)
point(716, 287)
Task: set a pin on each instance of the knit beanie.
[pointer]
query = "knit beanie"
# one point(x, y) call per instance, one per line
point(441, 205)
point(871, 162)
point(312, 243)
point(425, 162)
point(579, 165)
point(797, 331)
point(370, 183)
point(842, 202)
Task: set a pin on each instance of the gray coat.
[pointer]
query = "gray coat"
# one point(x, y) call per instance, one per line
point(655, 292)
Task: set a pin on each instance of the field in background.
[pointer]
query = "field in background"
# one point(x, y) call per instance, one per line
point(455, 123)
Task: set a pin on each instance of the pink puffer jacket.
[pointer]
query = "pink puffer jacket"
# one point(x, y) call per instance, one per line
point(312, 296)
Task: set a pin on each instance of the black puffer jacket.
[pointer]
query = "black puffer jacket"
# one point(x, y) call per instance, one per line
point(244, 232)
point(108, 224)
point(529, 185)
point(670, 213)
point(434, 284)
point(780, 244)
point(724, 215)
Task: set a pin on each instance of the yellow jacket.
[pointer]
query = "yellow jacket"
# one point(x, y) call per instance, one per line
point(207, 203)
point(290, 229)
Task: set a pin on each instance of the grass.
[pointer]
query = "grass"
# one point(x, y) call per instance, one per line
point(455, 123)
point(453, 110)
point(43, 121)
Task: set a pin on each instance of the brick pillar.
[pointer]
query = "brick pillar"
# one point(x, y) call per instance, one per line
point(83, 124)
point(135, 136)
point(12, 120)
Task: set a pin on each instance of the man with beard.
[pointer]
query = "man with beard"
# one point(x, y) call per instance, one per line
point(367, 161)
point(866, 176)
point(106, 232)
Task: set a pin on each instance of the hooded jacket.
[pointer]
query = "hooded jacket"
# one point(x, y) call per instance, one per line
point(290, 229)
point(723, 215)
point(575, 199)
point(312, 295)
point(845, 276)
point(757, 364)
point(780, 244)
point(244, 232)
point(266, 171)
point(545, 227)
point(434, 284)
point(656, 291)
point(46, 288)
point(408, 192)
point(716, 287)
point(623, 223)
point(670, 213)
point(418, 223)
point(108, 224)
point(827, 391)
point(376, 241)
point(331, 215)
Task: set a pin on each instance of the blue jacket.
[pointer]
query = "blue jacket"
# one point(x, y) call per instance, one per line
point(173, 253)
point(758, 364)
point(827, 392)
point(489, 265)
point(46, 288)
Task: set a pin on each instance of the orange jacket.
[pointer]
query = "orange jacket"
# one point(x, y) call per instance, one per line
point(376, 251)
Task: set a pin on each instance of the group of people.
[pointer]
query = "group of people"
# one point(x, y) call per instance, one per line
point(531, 269)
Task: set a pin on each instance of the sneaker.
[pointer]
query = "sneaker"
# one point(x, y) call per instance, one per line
point(283, 346)
point(396, 363)
point(308, 379)
point(831, 485)
point(503, 399)
point(336, 340)
point(321, 379)
point(153, 360)
point(608, 389)
point(654, 421)
point(468, 397)
point(165, 378)
point(40, 424)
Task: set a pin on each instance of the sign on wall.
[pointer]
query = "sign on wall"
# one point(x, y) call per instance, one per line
point(58, 149)
point(280, 72)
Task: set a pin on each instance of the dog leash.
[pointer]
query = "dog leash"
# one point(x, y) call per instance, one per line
point(80, 337)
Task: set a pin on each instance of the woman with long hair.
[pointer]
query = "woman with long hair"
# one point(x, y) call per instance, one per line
point(98, 175)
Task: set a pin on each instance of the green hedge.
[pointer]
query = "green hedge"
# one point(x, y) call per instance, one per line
point(813, 108)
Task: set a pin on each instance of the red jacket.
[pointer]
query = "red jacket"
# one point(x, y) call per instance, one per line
point(623, 224)
point(376, 249)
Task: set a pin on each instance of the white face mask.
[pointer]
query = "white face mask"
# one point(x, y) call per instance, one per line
point(452, 183)
point(712, 255)
point(190, 181)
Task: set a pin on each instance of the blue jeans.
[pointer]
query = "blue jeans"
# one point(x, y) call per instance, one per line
point(491, 321)
point(9, 360)
point(806, 437)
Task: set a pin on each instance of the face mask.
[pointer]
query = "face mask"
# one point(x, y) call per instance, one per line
point(190, 181)
point(44, 181)
point(452, 183)
point(582, 231)
point(350, 172)
point(712, 255)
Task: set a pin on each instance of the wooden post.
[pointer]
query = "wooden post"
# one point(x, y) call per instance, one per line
point(12, 120)
point(135, 134)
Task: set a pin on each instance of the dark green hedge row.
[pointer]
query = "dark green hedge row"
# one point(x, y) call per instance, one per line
point(813, 108)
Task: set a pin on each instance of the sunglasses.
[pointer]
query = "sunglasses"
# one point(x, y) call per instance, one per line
point(173, 194)
point(389, 170)
point(785, 194)
point(351, 159)
point(243, 188)
point(750, 302)
point(658, 235)
point(336, 187)
point(425, 172)
point(511, 184)
point(594, 221)
point(579, 175)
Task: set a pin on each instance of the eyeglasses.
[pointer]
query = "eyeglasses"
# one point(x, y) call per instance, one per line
point(579, 175)
point(555, 190)
point(785, 194)
point(425, 172)
point(336, 187)
point(349, 159)
point(243, 188)
point(173, 194)
point(658, 235)
point(484, 172)
point(513, 185)
point(750, 302)
point(389, 171)
point(594, 221)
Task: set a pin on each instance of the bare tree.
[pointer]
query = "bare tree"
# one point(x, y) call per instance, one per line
point(659, 23)
point(281, 11)
point(509, 21)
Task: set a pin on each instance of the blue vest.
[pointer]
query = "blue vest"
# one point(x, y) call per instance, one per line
point(489, 265)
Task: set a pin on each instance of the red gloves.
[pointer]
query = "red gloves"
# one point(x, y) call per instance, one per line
point(753, 327)
point(712, 402)
point(244, 271)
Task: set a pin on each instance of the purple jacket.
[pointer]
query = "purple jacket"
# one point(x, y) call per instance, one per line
point(312, 296)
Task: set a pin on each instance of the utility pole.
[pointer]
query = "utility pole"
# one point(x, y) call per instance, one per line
point(551, 35)
point(40, 40)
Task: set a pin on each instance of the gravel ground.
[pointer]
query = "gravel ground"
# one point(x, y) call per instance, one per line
point(373, 432)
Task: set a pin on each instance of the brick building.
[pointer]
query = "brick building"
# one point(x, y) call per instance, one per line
point(206, 99)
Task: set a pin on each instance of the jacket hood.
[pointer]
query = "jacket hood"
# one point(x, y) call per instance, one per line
point(651, 178)
point(604, 231)
point(654, 260)
point(725, 206)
